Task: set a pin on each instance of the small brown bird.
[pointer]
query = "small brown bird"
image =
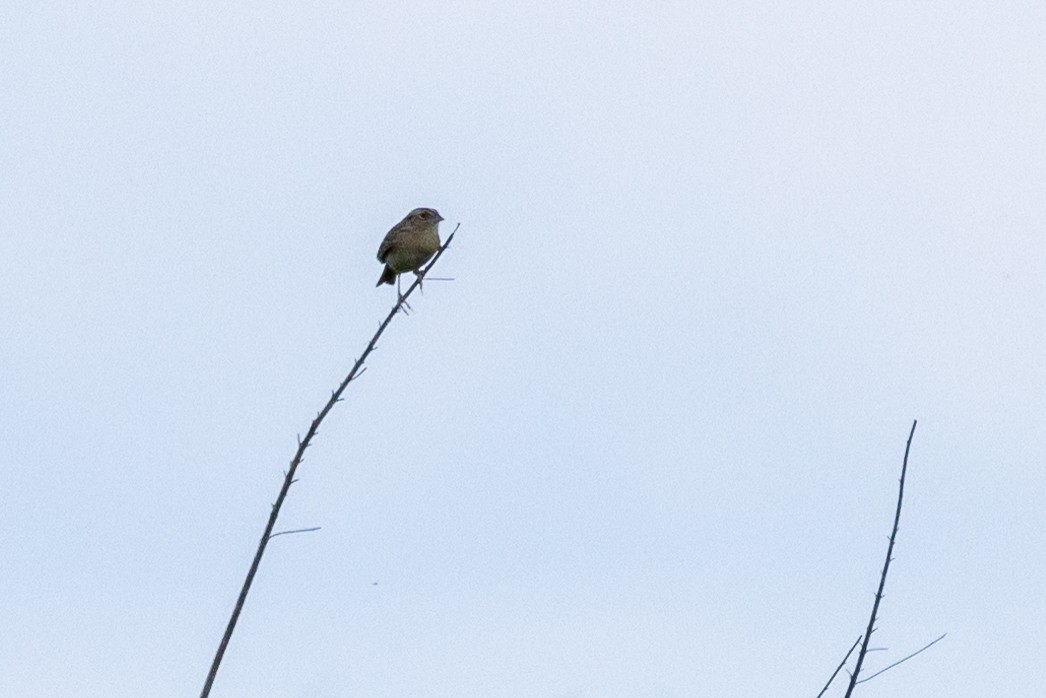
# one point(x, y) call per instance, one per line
point(409, 244)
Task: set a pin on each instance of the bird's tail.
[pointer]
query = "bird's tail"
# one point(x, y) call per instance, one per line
point(387, 276)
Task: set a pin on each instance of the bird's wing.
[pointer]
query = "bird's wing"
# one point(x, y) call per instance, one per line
point(391, 238)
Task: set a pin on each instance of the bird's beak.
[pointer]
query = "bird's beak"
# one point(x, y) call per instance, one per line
point(438, 218)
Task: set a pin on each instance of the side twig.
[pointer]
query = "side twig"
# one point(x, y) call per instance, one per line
point(840, 667)
point(303, 443)
point(297, 530)
point(902, 661)
point(886, 568)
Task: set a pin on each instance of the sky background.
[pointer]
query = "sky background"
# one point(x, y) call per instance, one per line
point(714, 258)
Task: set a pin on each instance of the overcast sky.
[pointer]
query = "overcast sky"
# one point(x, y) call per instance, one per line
point(714, 258)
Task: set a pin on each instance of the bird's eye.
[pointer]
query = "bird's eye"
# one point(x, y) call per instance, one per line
point(426, 214)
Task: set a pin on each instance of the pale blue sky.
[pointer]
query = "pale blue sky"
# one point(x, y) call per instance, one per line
point(714, 258)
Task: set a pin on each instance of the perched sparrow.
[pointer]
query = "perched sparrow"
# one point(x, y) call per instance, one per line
point(409, 244)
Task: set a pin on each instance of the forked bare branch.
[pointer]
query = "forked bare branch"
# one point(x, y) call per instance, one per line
point(840, 667)
point(303, 443)
point(886, 568)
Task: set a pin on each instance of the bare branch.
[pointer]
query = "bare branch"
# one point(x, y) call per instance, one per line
point(297, 530)
point(902, 661)
point(839, 668)
point(886, 568)
point(298, 457)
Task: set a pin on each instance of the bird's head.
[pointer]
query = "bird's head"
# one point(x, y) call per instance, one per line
point(425, 216)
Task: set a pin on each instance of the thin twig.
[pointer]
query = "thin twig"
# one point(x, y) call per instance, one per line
point(303, 443)
point(901, 661)
point(886, 568)
point(840, 667)
point(297, 530)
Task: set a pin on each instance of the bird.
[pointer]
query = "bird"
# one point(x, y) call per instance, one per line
point(411, 242)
